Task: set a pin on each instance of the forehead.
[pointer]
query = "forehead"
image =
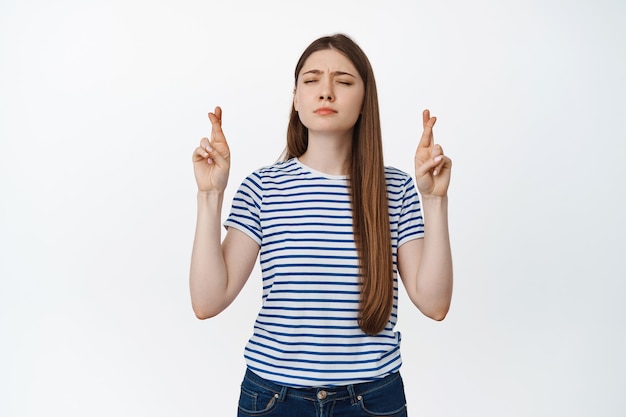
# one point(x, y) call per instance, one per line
point(329, 60)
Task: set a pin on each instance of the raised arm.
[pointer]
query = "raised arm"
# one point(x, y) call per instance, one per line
point(425, 265)
point(219, 269)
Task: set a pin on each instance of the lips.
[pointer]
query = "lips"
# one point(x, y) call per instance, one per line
point(325, 111)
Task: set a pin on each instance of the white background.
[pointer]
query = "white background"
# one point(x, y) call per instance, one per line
point(102, 104)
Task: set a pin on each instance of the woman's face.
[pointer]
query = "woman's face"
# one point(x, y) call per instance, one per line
point(329, 93)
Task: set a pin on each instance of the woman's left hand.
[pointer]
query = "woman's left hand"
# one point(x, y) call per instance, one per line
point(432, 167)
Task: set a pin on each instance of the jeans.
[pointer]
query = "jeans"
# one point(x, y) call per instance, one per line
point(384, 397)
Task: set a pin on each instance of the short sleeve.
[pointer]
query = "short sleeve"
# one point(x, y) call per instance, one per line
point(245, 213)
point(411, 223)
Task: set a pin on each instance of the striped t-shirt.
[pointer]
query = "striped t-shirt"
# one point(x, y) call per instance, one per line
point(306, 333)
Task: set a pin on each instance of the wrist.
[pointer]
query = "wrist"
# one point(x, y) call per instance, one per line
point(433, 202)
point(209, 196)
point(209, 193)
point(434, 198)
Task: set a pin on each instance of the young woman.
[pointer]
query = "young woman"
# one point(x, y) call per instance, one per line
point(334, 228)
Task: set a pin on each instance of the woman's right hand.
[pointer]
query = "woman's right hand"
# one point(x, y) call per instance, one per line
point(211, 160)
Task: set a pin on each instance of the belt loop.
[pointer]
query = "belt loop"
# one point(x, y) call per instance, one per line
point(353, 399)
point(282, 394)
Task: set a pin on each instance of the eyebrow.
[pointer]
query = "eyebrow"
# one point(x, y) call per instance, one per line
point(334, 73)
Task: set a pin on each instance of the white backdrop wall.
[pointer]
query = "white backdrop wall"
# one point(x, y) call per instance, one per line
point(103, 102)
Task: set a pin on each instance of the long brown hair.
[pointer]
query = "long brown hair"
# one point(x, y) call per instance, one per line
point(370, 215)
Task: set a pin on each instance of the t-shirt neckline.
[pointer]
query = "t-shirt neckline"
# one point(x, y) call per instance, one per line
point(320, 173)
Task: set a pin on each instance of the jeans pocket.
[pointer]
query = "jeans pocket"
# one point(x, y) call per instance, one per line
point(388, 400)
point(255, 400)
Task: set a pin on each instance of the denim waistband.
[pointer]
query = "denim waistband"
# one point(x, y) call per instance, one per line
point(352, 391)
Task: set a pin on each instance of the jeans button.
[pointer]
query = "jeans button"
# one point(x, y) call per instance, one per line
point(321, 395)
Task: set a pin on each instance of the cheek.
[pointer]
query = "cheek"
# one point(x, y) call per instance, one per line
point(303, 118)
point(358, 103)
point(296, 99)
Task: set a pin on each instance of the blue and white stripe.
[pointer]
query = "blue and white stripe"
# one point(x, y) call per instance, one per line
point(306, 333)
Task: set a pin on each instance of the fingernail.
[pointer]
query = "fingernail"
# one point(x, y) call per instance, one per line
point(435, 172)
point(438, 158)
point(210, 161)
point(208, 148)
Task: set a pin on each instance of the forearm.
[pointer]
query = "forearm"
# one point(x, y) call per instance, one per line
point(434, 276)
point(208, 278)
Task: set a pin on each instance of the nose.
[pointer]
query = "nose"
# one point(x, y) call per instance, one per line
point(326, 91)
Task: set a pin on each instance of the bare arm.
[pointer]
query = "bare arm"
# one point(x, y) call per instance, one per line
point(425, 265)
point(219, 269)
